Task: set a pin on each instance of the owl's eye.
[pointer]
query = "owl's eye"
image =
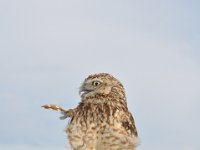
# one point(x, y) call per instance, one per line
point(96, 83)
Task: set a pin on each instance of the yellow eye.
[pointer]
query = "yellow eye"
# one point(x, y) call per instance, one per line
point(96, 83)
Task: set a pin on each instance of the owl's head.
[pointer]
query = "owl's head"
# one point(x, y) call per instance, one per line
point(101, 84)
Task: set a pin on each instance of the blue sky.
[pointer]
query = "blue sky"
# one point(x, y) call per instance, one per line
point(48, 47)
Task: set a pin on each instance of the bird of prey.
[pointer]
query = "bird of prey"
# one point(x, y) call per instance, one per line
point(101, 121)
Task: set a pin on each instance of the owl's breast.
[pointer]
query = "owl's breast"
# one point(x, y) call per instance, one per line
point(94, 118)
point(98, 126)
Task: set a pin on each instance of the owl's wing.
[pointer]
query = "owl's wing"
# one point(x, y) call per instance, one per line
point(53, 107)
point(65, 113)
point(129, 124)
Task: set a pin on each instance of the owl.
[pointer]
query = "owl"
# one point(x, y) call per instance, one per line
point(101, 121)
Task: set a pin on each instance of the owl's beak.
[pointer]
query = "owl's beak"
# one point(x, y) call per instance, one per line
point(83, 90)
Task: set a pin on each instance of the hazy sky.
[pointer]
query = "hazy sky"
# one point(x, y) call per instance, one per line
point(48, 47)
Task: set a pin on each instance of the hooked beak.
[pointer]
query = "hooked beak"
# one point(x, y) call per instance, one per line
point(83, 90)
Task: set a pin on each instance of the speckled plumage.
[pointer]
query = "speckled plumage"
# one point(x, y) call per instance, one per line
point(101, 121)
